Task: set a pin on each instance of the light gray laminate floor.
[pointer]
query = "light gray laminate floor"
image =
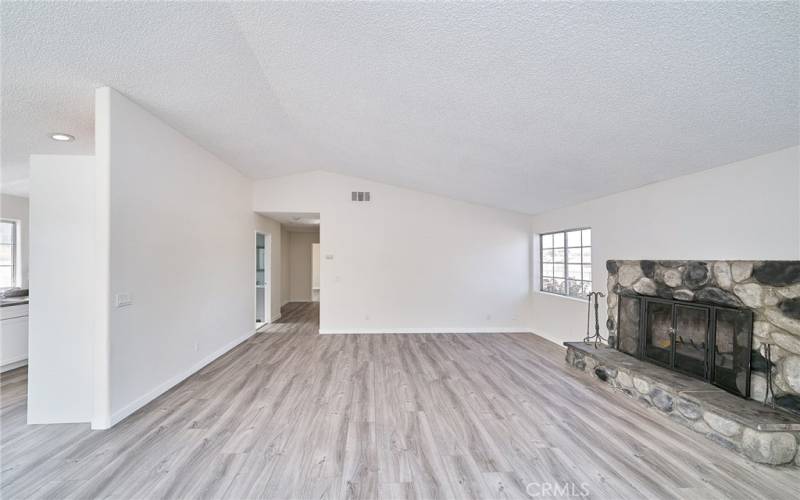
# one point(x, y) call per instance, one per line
point(292, 414)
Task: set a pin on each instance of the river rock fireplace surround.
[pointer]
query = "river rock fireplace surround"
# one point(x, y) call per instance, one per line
point(690, 338)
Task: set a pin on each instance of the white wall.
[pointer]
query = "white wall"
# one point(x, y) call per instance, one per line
point(300, 272)
point(62, 312)
point(409, 261)
point(744, 210)
point(181, 245)
point(16, 207)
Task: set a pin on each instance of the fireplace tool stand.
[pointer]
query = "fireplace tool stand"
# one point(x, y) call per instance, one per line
point(596, 338)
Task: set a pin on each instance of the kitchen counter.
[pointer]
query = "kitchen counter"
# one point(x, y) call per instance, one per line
point(13, 301)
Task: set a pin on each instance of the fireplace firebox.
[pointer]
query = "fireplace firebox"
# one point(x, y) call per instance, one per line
point(708, 342)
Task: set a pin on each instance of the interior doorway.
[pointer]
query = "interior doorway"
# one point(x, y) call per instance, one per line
point(298, 272)
point(263, 268)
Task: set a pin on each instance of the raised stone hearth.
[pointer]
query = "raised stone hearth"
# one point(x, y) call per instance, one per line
point(762, 434)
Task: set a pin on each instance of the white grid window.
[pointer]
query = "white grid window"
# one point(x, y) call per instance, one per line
point(566, 262)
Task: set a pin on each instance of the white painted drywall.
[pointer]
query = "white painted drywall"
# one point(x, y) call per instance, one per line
point(16, 208)
point(408, 261)
point(62, 307)
point(744, 210)
point(181, 247)
point(300, 267)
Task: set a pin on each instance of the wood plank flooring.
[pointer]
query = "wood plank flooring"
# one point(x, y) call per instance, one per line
point(292, 414)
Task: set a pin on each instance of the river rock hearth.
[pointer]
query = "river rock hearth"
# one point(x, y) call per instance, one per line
point(760, 433)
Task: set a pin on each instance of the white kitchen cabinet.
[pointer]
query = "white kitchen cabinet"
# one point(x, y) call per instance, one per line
point(13, 336)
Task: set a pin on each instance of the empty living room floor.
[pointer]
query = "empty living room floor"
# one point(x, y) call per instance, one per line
point(293, 414)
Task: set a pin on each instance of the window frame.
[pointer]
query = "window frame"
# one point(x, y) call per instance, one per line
point(566, 262)
point(15, 278)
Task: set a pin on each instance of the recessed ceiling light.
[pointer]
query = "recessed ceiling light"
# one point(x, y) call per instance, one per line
point(62, 137)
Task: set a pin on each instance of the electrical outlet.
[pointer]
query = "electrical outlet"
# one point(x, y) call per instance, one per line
point(123, 299)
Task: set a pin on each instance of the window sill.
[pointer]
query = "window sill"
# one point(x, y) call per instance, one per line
point(567, 297)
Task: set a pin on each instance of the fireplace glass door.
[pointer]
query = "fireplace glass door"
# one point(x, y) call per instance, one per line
point(629, 325)
point(732, 344)
point(659, 332)
point(676, 336)
point(691, 334)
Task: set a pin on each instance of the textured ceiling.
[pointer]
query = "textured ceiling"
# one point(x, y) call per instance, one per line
point(526, 106)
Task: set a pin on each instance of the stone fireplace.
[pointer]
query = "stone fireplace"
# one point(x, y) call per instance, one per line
point(696, 339)
point(672, 312)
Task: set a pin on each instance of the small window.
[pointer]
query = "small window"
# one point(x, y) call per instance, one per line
point(566, 262)
point(8, 253)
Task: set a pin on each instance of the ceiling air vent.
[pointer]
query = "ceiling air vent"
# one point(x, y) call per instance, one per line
point(359, 196)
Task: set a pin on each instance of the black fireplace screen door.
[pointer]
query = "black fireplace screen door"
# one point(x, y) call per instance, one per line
point(704, 341)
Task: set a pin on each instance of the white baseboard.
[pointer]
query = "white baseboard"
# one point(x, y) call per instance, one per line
point(160, 389)
point(556, 339)
point(100, 423)
point(275, 317)
point(10, 366)
point(378, 331)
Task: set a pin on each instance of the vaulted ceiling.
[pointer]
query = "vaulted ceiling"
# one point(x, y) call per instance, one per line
point(525, 106)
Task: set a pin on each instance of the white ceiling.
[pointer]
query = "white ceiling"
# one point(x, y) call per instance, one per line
point(526, 106)
point(305, 222)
